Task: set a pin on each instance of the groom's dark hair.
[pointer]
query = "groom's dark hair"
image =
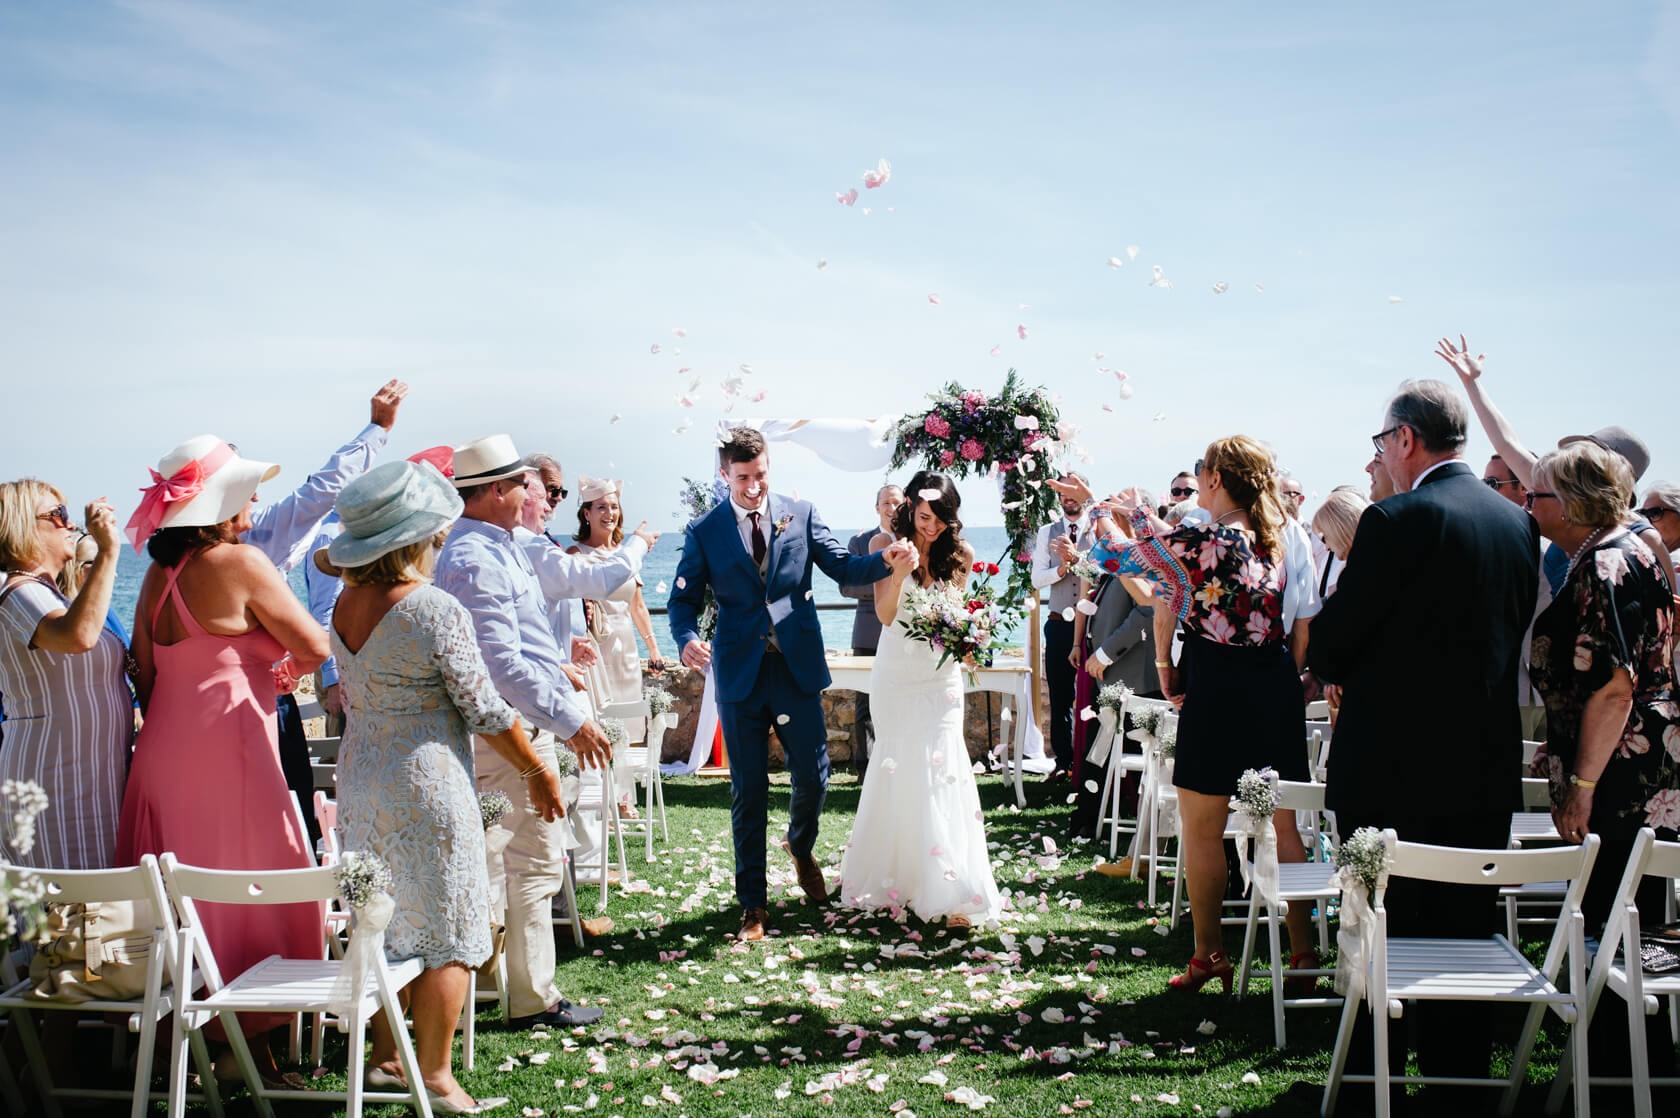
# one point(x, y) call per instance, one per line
point(744, 445)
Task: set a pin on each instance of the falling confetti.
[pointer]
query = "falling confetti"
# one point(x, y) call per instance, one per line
point(878, 176)
point(1260, 288)
point(995, 350)
point(615, 418)
point(1160, 279)
point(1115, 262)
point(822, 265)
point(846, 198)
point(1021, 332)
point(1126, 391)
point(934, 299)
point(1158, 417)
point(678, 332)
point(1221, 287)
point(654, 348)
point(1131, 252)
point(1396, 299)
point(781, 720)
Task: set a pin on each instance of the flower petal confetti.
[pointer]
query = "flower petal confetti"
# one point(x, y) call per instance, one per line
point(846, 198)
point(878, 176)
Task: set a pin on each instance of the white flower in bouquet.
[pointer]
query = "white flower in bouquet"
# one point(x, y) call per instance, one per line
point(659, 701)
point(1255, 795)
point(1167, 743)
point(22, 892)
point(362, 876)
point(1113, 696)
point(492, 806)
point(1362, 852)
point(565, 762)
point(613, 730)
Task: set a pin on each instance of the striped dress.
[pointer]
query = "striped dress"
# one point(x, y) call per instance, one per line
point(69, 725)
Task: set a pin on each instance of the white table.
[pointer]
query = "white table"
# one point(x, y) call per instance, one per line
point(1011, 678)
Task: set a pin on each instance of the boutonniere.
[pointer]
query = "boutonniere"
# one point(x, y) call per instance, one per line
point(781, 525)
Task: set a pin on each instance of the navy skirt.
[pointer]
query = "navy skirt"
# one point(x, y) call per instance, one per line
point(1243, 709)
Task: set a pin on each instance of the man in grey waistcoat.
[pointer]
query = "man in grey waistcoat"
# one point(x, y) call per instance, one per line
point(1049, 570)
point(866, 627)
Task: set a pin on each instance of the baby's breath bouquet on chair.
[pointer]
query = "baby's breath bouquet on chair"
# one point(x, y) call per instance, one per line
point(365, 883)
point(1255, 802)
point(22, 894)
point(1360, 861)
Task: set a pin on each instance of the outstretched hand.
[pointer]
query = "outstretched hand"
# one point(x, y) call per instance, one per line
point(1071, 487)
point(901, 556)
point(648, 535)
point(1468, 368)
point(386, 402)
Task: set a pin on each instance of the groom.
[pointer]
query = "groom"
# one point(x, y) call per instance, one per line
point(755, 552)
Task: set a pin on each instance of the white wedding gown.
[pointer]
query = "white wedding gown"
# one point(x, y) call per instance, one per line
point(919, 839)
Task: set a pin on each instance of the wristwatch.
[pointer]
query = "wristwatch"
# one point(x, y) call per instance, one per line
point(1577, 782)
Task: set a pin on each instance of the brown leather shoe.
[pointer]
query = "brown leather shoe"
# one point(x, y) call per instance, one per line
point(596, 927)
point(811, 878)
point(752, 924)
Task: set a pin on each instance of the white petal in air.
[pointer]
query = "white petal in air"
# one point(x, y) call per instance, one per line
point(934, 299)
point(781, 720)
point(1131, 252)
point(1115, 262)
point(681, 583)
point(997, 349)
point(1221, 287)
point(1026, 423)
point(1086, 606)
point(822, 264)
point(1160, 279)
point(1396, 299)
point(930, 494)
point(661, 588)
point(678, 332)
point(654, 348)
point(683, 426)
point(615, 418)
point(1067, 614)
point(1260, 288)
point(1158, 417)
point(1126, 391)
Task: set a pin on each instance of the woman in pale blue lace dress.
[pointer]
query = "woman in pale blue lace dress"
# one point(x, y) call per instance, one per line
point(415, 689)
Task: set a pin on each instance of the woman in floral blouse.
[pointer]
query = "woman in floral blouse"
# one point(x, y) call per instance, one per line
point(1242, 697)
point(1602, 659)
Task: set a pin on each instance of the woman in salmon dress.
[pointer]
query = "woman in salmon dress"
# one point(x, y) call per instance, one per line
point(215, 625)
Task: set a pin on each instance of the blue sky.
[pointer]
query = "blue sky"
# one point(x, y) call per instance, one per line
point(242, 218)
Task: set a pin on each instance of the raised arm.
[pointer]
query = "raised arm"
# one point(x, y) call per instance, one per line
point(77, 628)
point(837, 562)
point(887, 588)
point(1498, 430)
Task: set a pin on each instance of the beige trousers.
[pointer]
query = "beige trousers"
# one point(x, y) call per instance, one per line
point(525, 877)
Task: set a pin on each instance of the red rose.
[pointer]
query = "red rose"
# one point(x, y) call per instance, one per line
point(991, 568)
point(979, 568)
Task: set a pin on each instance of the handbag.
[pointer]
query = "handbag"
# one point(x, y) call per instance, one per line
point(99, 951)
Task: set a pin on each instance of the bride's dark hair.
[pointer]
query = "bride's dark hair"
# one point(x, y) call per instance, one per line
point(945, 558)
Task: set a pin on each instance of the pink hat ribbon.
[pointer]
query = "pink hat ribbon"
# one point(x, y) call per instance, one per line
point(183, 485)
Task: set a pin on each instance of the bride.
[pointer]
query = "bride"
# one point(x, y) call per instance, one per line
point(918, 841)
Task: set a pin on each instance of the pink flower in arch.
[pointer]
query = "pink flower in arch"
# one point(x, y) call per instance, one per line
point(946, 457)
point(1663, 809)
point(972, 450)
point(936, 426)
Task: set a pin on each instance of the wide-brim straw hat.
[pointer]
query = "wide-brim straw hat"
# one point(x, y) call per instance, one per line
point(390, 507)
point(491, 458)
point(203, 481)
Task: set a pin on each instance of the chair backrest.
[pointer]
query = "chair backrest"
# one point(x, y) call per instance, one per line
point(187, 885)
point(310, 709)
point(303, 827)
point(325, 749)
point(326, 817)
point(1536, 793)
point(1318, 708)
point(1300, 795)
point(140, 884)
point(1320, 726)
point(1462, 866)
point(637, 708)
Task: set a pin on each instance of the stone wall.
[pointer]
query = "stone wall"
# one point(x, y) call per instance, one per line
point(982, 718)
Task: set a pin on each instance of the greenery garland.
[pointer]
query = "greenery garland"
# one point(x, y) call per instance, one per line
point(1017, 433)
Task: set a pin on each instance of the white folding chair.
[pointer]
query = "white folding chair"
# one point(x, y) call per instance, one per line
point(1618, 967)
point(598, 797)
point(644, 763)
point(1318, 709)
point(1488, 970)
point(280, 985)
point(1535, 903)
point(142, 886)
point(1298, 883)
point(1107, 748)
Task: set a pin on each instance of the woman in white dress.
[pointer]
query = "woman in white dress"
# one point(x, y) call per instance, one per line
point(919, 839)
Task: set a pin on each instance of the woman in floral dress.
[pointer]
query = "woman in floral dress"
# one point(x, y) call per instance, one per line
point(1602, 659)
point(1242, 699)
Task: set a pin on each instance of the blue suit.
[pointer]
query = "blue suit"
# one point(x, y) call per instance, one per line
point(756, 685)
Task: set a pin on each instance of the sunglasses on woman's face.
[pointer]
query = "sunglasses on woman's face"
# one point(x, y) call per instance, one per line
point(58, 514)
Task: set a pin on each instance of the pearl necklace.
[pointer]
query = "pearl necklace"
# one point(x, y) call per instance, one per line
point(1585, 545)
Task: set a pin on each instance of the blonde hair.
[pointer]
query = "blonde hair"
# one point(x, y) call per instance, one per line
point(1338, 518)
point(69, 577)
point(1248, 471)
point(1594, 485)
point(20, 540)
point(413, 563)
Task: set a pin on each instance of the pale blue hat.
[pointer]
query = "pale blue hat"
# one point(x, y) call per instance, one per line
point(389, 507)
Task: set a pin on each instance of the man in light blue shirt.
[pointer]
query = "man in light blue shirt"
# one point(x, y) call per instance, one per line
point(322, 591)
point(486, 569)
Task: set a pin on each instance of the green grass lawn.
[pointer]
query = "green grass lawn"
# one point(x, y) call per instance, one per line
point(1064, 1008)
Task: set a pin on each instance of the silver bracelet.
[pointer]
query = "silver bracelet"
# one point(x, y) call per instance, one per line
point(539, 767)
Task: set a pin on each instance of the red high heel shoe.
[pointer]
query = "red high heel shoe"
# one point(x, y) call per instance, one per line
point(1216, 965)
point(1304, 986)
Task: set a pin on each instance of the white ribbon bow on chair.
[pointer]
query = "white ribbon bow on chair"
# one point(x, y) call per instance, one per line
point(1356, 939)
point(367, 940)
point(1264, 876)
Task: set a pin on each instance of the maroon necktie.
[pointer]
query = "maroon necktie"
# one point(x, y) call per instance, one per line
point(758, 540)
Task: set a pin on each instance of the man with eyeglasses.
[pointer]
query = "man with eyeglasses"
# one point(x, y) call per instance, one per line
point(1424, 636)
point(1052, 569)
point(1181, 488)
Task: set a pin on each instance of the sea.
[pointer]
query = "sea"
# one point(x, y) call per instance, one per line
point(658, 570)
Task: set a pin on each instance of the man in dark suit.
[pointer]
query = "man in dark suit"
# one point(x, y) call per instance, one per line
point(756, 552)
point(1121, 652)
point(866, 626)
point(1424, 635)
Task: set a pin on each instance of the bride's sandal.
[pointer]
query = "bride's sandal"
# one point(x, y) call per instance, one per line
point(958, 922)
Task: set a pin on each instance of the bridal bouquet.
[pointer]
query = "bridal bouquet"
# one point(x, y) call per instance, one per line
point(954, 624)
